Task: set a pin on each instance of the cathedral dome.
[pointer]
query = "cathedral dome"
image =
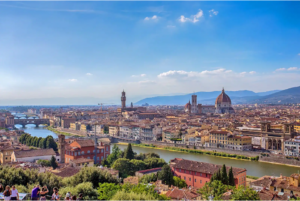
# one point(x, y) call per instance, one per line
point(187, 105)
point(223, 98)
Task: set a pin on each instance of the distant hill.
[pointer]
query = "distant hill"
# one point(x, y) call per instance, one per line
point(291, 95)
point(237, 97)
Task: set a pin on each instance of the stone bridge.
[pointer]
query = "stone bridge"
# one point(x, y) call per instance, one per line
point(37, 122)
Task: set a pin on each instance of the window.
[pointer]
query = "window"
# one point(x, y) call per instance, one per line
point(75, 153)
point(200, 181)
point(179, 170)
point(190, 172)
point(88, 157)
point(275, 189)
point(195, 173)
point(206, 175)
point(101, 150)
point(184, 178)
point(79, 153)
point(98, 151)
point(184, 171)
point(97, 158)
point(101, 157)
point(195, 180)
point(88, 151)
point(200, 174)
point(82, 152)
point(190, 179)
point(282, 190)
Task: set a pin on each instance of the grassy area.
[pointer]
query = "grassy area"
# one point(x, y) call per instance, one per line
point(195, 151)
point(50, 128)
point(251, 177)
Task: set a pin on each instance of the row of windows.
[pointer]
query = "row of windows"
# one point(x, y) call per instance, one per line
point(72, 153)
point(205, 175)
point(195, 180)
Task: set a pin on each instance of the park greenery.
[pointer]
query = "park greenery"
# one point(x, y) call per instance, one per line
point(221, 175)
point(127, 162)
point(215, 190)
point(110, 191)
point(43, 143)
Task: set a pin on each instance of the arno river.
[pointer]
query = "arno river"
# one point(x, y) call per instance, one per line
point(253, 168)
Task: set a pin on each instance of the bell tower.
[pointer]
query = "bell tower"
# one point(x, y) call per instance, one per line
point(123, 99)
point(61, 141)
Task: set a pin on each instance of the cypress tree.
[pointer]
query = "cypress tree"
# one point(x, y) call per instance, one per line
point(128, 154)
point(218, 176)
point(53, 163)
point(230, 177)
point(224, 177)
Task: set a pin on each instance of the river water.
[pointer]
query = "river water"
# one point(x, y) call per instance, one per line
point(254, 168)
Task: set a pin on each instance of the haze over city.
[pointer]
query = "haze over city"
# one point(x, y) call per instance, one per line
point(97, 49)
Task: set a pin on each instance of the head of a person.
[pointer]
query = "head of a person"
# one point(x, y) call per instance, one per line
point(67, 198)
point(68, 195)
point(7, 187)
point(1, 185)
point(55, 190)
point(74, 197)
point(13, 187)
point(80, 195)
point(37, 186)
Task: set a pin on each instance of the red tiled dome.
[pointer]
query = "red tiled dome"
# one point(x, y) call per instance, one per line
point(223, 98)
point(187, 105)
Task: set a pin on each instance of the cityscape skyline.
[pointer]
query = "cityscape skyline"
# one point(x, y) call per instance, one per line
point(97, 49)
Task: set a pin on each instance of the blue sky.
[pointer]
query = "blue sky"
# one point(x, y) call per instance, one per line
point(97, 49)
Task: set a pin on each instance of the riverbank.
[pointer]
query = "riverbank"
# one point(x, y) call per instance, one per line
point(277, 161)
point(50, 128)
point(196, 151)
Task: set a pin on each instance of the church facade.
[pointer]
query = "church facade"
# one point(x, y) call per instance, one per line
point(222, 105)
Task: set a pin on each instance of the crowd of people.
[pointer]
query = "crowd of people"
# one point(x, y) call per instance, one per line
point(36, 194)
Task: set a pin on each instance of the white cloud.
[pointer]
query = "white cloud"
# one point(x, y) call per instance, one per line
point(213, 12)
point(141, 75)
point(299, 54)
point(280, 69)
point(193, 18)
point(292, 68)
point(89, 74)
point(252, 72)
point(73, 80)
point(154, 17)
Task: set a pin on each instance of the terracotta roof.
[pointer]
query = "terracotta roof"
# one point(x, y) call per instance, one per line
point(223, 98)
point(179, 194)
point(202, 167)
point(34, 152)
point(85, 143)
point(264, 182)
point(82, 160)
point(131, 180)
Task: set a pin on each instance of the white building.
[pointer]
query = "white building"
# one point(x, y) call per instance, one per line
point(291, 147)
point(33, 155)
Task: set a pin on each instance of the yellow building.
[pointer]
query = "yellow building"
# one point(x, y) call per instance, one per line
point(289, 185)
point(72, 126)
point(218, 138)
point(241, 143)
point(5, 154)
point(297, 127)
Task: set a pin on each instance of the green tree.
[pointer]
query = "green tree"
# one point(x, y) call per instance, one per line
point(107, 190)
point(53, 163)
point(41, 143)
point(94, 175)
point(180, 183)
point(128, 153)
point(224, 177)
point(115, 154)
point(154, 162)
point(86, 188)
point(231, 178)
point(123, 165)
point(123, 195)
point(147, 178)
point(215, 189)
point(166, 175)
point(44, 163)
point(244, 193)
point(136, 165)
